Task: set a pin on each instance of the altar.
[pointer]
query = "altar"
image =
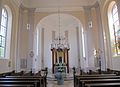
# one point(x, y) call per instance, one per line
point(60, 60)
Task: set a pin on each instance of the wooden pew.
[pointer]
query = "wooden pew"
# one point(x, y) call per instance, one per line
point(16, 74)
point(96, 75)
point(19, 82)
point(11, 81)
point(79, 78)
point(38, 73)
point(22, 76)
point(41, 79)
point(16, 85)
point(102, 84)
point(84, 82)
point(28, 74)
point(6, 73)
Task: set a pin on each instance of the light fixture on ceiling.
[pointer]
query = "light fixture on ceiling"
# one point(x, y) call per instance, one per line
point(61, 42)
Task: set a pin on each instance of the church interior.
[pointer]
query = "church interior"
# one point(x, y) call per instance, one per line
point(70, 39)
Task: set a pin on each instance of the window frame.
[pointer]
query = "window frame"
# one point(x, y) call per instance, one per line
point(4, 17)
point(115, 20)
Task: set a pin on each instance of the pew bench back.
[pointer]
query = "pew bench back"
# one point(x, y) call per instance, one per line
point(80, 80)
point(102, 85)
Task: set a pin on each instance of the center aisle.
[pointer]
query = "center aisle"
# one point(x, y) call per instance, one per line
point(68, 81)
point(54, 84)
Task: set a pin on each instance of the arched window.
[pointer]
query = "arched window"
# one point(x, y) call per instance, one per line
point(3, 32)
point(114, 29)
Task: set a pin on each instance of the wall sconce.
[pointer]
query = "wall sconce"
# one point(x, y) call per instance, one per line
point(90, 24)
point(31, 54)
point(28, 26)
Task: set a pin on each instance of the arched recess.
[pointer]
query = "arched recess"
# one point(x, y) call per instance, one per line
point(105, 12)
point(8, 31)
point(7, 63)
point(115, 57)
point(43, 40)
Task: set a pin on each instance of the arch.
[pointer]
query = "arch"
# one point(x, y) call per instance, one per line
point(111, 27)
point(8, 31)
point(3, 32)
point(6, 35)
point(13, 56)
point(56, 14)
point(75, 25)
point(9, 61)
point(104, 13)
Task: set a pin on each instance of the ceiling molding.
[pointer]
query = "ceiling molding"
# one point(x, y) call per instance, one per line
point(56, 3)
point(18, 2)
point(52, 6)
point(61, 9)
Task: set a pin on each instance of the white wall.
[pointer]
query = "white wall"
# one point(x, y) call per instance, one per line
point(73, 54)
point(8, 64)
point(116, 63)
point(4, 66)
point(47, 50)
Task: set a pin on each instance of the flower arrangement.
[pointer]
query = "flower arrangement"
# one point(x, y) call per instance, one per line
point(60, 64)
point(60, 67)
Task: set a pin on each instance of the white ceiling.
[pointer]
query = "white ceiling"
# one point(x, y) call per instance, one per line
point(52, 5)
point(55, 3)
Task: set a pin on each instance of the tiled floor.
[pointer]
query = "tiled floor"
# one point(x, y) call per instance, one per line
point(54, 84)
point(68, 81)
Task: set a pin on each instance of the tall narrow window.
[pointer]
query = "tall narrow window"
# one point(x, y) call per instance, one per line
point(3, 32)
point(114, 29)
point(83, 43)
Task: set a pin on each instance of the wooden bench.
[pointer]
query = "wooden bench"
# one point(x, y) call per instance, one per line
point(96, 75)
point(79, 78)
point(21, 77)
point(16, 85)
point(83, 82)
point(25, 83)
point(102, 84)
point(41, 79)
point(38, 81)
